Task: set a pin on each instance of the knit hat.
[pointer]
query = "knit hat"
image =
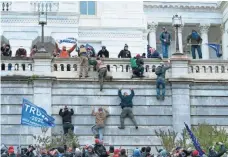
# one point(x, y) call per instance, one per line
point(100, 109)
point(138, 55)
point(195, 153)
point(11, 149)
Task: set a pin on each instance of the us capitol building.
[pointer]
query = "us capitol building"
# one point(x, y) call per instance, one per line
point(114, 24)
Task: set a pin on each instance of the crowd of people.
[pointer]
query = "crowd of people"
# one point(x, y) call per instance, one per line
point(99, 150)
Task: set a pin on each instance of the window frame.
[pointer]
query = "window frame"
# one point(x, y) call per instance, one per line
point(95, 12)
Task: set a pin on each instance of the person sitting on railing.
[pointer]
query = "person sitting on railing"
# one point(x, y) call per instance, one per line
point(125, 53)
point(34, 51)
point(152, 53)
point(196, 41)
point(160, 72)
point(84, 61)
point(5, 50)
point(165, 39)
point(21, 52)
point(137, 65)
point(64, 53)
point(103, 53)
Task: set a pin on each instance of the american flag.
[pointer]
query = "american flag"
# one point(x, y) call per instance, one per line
point(194, 141)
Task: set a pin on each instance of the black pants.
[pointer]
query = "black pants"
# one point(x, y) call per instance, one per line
point(67, 127)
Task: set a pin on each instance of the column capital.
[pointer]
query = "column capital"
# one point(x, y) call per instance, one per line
point(204, 28)
point(152, 26)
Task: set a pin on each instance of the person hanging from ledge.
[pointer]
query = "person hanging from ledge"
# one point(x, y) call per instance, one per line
point(101, 117)
point(126, 105)
point(84, 61)
point(137, 66)
point(196, 41)
point(67, 119)
point(160, 82)
point(125, 53)
point(64, 53)
point(102, 71)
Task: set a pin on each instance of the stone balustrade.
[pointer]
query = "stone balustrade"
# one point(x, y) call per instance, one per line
point(118, 68)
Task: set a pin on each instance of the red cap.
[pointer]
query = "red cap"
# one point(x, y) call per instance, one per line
point(97, 141)
point(138, 55)
point(11, 149)
point(195, 153)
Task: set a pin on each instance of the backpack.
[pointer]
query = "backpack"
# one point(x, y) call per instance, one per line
point(195, 36)
point(158, 70)
point(101, 152)
point(133, 63)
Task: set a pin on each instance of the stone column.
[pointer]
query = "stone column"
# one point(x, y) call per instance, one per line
point(180, 29)
point(145, 41)
point(180, 92)
point(152, 35)
point(204, 35)
point(224, 33)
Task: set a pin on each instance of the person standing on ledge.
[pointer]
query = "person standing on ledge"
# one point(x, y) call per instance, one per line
point(126, 105)
point(165, 39)
point(64, 53)
point(160, 72)
point(84, 61)
point(101, 117)
point(67, 119)
point(125, 53)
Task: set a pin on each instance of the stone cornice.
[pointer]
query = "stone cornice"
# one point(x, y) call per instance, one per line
point(182, 5)
point(32, 17)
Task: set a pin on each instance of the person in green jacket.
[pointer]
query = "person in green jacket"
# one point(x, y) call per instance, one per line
point(126, 105)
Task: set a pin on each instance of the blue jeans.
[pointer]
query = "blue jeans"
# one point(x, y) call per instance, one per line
point(165, 50)
point(161, 83)
point(98, 130)
point(193, 49)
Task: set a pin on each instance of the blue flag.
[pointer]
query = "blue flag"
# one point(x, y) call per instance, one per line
point(35, 116)
point(194, 141)
point(217, 49)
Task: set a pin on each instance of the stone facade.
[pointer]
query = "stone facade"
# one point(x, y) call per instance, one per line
point(196, 93)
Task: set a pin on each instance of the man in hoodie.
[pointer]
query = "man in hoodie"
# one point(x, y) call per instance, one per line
point(125, 53)
point(165, 39)
point(160, 72)
point(84, 61)
point(91, 152)
point(196, 41)
point(64, 53)
point(67, 119)
point(99, 149)
point(6, 51)
point(101, 117)
point(126, 105)
point(136, 153)
point(103, 53)
point(137, 66)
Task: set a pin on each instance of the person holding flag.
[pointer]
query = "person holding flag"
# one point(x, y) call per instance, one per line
point(64, 53)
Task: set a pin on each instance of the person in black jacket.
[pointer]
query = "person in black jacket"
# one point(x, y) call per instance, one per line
point(125, 53)
point(126, 105)
point(66, 116)
point(6, 51)
point(103, 53)
point(99, 149)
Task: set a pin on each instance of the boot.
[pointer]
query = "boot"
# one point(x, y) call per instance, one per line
point(120, 127)
point(163, 97)
point(158, 97)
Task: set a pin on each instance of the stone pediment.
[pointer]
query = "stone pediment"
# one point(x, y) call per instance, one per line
point(181, 5)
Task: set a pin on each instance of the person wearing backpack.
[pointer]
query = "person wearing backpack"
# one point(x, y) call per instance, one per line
point(160, 72)
point(99, 149)
point(196, 41)
point(165, 39)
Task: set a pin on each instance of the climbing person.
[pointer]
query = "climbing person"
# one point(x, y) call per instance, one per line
point(125, 53)
point(102, 71)
point(67, 119)
point(160, 72)
point(126, 105)
point(137, 66)
point(101, 117)
point(83, 56)
point(165, 39)
point(64, 53)
point(196, 41)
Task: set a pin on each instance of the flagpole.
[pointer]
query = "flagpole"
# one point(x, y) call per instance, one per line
point(20, 140)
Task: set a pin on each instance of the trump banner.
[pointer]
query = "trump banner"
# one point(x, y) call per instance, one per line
point(35, 116)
